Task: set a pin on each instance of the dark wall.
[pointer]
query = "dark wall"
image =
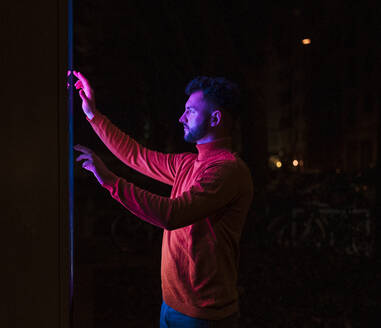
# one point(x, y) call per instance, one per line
point(34, 227)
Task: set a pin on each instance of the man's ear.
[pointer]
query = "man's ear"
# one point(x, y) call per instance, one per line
point(215, 118)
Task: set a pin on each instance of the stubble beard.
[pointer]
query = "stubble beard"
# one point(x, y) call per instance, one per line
point(196, 133)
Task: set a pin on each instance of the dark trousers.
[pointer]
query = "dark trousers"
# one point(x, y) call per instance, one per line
point(170, 318)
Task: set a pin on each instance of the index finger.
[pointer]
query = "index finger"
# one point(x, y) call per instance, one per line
point(83, 149)
point(80, 76)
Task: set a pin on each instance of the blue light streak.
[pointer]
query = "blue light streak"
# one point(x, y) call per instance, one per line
point(71, 153)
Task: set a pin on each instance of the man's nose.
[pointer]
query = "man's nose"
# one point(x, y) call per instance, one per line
point(182, 118)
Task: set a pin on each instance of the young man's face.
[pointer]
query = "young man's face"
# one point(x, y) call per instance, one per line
point(196, 118)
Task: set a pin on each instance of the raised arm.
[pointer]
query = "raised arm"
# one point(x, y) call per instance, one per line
point(160, 166)
point(216, 188)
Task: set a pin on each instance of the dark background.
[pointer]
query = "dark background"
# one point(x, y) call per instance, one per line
point(34, 197)
point(317, 103)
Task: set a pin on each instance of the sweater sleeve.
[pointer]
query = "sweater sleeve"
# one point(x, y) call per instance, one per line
point(159, 166)
point(214, 189)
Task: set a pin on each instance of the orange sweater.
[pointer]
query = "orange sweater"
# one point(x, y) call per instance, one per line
point(202, 219)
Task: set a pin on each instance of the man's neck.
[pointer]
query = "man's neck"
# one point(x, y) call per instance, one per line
point(211, 138)
point(205, 140)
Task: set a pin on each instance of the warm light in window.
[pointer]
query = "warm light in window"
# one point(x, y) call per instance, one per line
point(306, 41)
point(278, 164)
point(295, 162)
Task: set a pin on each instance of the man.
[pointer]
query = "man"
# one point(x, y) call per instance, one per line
point(204, 216)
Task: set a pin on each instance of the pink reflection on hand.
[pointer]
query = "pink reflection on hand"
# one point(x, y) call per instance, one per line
point(68, 74)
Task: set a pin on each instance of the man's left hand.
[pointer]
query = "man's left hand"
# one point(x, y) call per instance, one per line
point(92, 163)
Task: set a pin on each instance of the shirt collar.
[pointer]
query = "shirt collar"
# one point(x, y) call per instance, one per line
point(213, 148)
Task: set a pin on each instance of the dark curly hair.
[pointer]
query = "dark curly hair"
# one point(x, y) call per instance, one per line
point(218, 91)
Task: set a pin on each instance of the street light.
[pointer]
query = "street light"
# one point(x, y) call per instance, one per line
point(306, 41)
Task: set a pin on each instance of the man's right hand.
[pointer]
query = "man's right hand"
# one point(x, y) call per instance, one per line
point(87, 95)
